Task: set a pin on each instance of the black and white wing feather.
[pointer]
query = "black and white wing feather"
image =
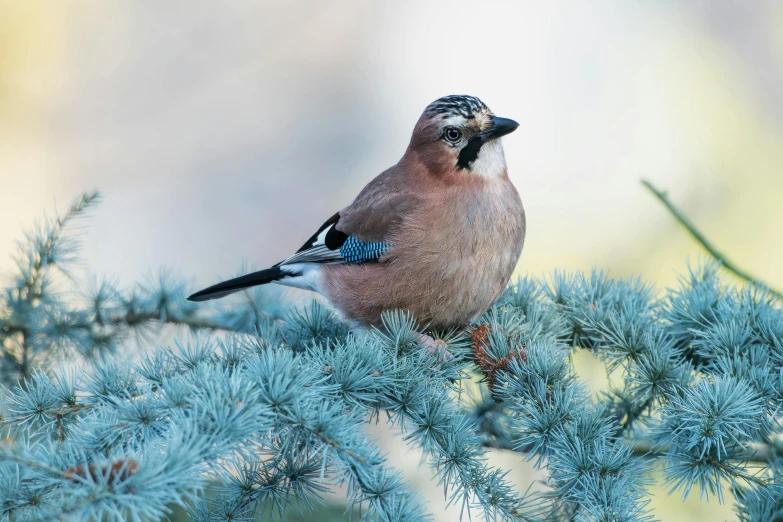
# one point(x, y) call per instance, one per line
point(323, 247)
point(328, 245)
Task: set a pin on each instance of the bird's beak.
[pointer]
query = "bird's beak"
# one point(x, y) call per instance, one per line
point(500, 127)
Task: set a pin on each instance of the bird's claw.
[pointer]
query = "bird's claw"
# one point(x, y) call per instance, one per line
point(437, 347)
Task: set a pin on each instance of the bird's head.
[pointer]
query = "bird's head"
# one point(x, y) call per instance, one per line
point(459, 133)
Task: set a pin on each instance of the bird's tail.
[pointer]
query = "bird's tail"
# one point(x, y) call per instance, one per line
point(219, 290)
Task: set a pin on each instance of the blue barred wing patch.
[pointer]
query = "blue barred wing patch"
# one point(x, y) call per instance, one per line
point(356, 251)
point(330, 245)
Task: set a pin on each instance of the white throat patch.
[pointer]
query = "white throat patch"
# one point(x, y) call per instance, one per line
point(491, 162)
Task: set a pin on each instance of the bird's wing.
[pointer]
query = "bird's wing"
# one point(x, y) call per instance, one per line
point(380, 206)
point(360, 232)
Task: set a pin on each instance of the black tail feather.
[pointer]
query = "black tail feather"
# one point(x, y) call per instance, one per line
point(239, 283)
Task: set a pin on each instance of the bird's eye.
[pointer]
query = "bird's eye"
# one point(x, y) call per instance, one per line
point(452, 134)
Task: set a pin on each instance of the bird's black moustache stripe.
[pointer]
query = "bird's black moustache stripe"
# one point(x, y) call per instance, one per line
point(469, 152)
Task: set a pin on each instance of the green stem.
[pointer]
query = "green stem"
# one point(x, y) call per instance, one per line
point(699, 237)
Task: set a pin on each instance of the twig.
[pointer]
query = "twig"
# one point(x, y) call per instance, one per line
point(699, 237)
point(286, 415)
point(38, 466)
point(759, 453)
point(191, 321)
point(54, 412)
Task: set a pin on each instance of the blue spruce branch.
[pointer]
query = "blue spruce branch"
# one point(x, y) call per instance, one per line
point(273, 412)
point(38, 323)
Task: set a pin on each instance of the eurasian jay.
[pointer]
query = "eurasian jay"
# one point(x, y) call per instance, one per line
point(438, 234)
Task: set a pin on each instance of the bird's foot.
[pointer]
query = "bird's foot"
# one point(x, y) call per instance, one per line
point(437, 347)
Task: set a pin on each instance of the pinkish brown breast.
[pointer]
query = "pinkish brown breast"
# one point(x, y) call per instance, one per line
point(450, 258)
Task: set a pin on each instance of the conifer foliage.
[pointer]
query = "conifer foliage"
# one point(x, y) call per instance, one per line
point(257, 408)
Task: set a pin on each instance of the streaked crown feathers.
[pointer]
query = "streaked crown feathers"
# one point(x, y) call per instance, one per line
point(458, 105)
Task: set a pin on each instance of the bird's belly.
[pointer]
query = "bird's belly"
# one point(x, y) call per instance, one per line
point(447, 263)
point(466, 281)
point(443, 283)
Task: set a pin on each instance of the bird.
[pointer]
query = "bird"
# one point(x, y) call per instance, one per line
point(438, 234)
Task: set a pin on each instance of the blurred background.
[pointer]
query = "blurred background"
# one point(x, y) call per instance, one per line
point(222, 132)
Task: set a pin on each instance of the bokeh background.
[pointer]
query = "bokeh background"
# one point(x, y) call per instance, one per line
point(222, 132)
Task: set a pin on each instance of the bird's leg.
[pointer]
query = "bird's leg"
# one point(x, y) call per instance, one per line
point(434, 346)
